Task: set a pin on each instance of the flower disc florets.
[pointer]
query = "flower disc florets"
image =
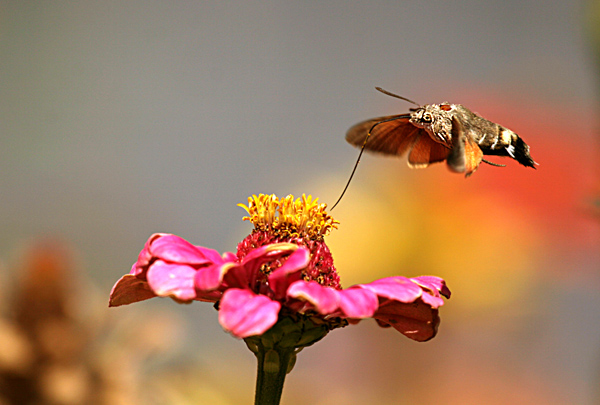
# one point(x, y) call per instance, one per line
point(299, 218)
point(302, 221)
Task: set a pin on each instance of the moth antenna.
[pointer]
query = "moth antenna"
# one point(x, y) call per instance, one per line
point(360, 155)
point(395, 95)
point(492, 163)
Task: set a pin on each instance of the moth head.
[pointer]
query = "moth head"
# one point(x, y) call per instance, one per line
point(420, 116)
point(436, 119)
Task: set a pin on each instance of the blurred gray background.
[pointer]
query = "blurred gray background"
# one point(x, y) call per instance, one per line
point(121, 119)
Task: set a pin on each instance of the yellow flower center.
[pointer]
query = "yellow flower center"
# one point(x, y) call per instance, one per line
point(303, 216)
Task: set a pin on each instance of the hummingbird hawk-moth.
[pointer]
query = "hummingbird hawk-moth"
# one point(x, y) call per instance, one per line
point(436, 132)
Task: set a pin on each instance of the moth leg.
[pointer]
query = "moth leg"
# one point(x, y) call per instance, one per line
point(492, 163)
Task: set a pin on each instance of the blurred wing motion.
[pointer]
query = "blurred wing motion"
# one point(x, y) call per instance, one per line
point(395, 135)
point(465, 155)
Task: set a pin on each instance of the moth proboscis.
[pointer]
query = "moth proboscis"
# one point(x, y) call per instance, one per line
point(436, 132)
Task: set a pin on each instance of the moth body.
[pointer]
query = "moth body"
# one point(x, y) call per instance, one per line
point(492, 138)
point(426, 132)
point(433, 133)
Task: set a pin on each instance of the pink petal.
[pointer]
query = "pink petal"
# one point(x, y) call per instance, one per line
point(229, 257)
point(172, 280)
point(135, 270)
point(434, 302)
point(298, 260)
point(324, 300)
point(243, 313)
point(273, 249)
point(417, 321)
point(145, 255)
point(358, 303)
point(395, 288)
point(289, 272)
point(211, 278)
point(253, 261)
point(433, 283)
point(172, 248)
point(129, 289)
point(231, 274)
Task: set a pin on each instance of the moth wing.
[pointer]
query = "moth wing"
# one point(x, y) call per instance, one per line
point(392, 135)
point(457, 161)
point(466, 155)
point(473, 156)
point(425, 151)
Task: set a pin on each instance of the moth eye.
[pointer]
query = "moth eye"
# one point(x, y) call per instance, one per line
point(427, 117)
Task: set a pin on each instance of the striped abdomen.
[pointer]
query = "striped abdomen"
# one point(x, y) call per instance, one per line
point(492, 138)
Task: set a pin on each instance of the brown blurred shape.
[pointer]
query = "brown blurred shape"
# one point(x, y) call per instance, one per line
point(53, 345)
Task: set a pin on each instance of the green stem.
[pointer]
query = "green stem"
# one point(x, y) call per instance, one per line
point(272, 369)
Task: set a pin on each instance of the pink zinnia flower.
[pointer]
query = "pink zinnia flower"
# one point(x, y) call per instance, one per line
point(280, 292)
point(283, 273)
